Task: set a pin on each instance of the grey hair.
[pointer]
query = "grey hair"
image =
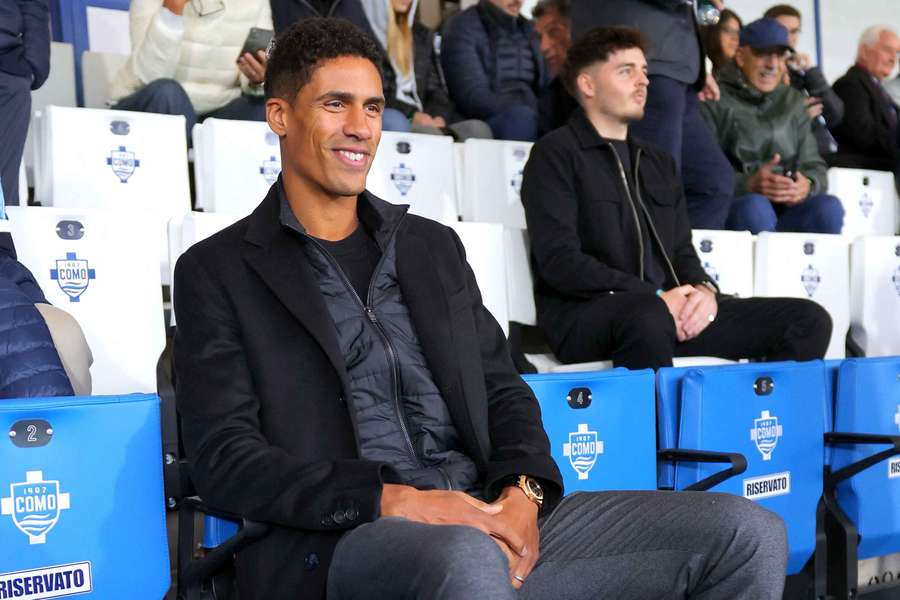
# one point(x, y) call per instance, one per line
point(872, 34)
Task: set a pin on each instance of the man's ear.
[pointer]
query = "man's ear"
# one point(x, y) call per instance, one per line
point(585, 85)
point(277, 115)
point(739, 57)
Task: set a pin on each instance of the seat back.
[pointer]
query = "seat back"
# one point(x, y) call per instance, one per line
point(81, 497)
point(601, 427)
point(97, 72)
point(774, 414)
point(235, 164)
point(869, 200)
point(484, 253)
point(102, 268)
point(519, 283)
point(868, 401)
point(493, 181)
point(727, 256)
point(416, 169)
point(875, 294)
point(806, 265)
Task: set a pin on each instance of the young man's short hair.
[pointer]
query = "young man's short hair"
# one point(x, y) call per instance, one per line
point(298, 51)
point(596, 46)
point(782, 10)
point(544, 7)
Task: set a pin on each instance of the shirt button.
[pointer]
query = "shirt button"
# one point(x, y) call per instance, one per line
point(338, 517)
point(351, 513)
point(312, 561)
point(327, 521)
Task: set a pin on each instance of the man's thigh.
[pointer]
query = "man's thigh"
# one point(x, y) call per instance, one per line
point(396, 558)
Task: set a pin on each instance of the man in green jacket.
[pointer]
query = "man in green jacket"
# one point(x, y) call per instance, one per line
point(765, 131)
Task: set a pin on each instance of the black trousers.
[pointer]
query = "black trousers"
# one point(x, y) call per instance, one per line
point(636, 331)
point(15, 113)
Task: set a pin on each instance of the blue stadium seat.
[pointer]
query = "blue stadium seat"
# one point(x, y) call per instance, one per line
point(81, 498)
point(862, 490)
point(773, 413)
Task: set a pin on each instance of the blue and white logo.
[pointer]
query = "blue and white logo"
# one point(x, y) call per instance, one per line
point(73, 275)
point(516, 182)
point(811, 280)
point(123, 163)
point(403, 178)
point(270, 169)
point(711, 271)
point(583, 449)
point(896, 279)
point(271, 139)
point(34, 506)
point(866, 204)
point(765, 433)
point(897, 417)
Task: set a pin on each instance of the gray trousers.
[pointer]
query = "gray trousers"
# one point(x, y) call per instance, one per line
point(618, 545)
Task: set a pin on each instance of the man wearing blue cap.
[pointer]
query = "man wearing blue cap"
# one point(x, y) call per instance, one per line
point(764, 129)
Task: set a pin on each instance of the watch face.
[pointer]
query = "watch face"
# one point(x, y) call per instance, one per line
point(535, 488)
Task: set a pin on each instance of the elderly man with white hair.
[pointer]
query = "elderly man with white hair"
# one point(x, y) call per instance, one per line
point(868, 136)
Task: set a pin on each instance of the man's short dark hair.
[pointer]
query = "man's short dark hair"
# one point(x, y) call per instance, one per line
point(545, 7)
point(782, 10)
point(596, 46)
point(298, 51)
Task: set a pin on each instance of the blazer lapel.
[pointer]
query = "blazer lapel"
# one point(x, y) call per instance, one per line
point(426, 296)
point(278, 259)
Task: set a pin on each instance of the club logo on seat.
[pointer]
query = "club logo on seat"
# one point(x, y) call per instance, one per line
point(706, 246)
point(582, 449)
point(897, 417)
point(403, 178)
point(34, 506)
point(866, 204)
point(73, 275)
point(516, 182)
point(123, 163)
point(896, 279)
point(765, 433)
point(711, 271)
point(270, 169)
point(811, 280)
point(519, 154)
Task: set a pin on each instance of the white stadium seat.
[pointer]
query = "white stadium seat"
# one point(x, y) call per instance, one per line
point(416, 169)
point(459, 158)
point(97, 72)
point(117, 160)
point(485, 254)
point(23, 185)
point(868, 198)
point(806, 265)
point(102, 267)
point(875, 295)
point(493, 181)
point(727, 256)
point(235, 164)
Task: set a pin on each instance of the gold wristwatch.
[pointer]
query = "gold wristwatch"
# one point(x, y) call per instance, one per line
point(533, 490)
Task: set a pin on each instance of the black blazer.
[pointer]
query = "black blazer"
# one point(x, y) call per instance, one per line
point(865, 137)
point(584, 242)
point(261, 384)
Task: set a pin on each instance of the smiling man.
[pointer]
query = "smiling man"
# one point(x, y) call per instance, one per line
point(764, 128)
point(340, 379)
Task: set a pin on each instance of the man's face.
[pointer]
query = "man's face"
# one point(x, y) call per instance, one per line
point(763, 69)
point(554, 33)
point(792, 24)
point(617, 88)
point(510, 7)
point(881, 58)
point(330, 132)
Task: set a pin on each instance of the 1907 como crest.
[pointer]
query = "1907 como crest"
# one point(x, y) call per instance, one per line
point(582, 449)
point(765, 433)
point(34, 506)
point(73, 275)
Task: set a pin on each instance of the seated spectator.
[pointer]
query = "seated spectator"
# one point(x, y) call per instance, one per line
point(287, 12)
point(553, 27)
point(678, 84)
point(185, 61)
point(24, 66)
point(494, 67)
point(415, 95)
point(868, 136)
point(616, 274)
point(721, 39)
point(824, 106)
point(764, 128)
point(300, 401)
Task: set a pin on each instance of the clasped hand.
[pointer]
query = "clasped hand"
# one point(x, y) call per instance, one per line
point(511, 520)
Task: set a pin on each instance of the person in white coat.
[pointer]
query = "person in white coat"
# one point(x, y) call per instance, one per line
point(185, 60)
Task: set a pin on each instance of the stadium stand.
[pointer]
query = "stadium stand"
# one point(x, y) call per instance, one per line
point(875, 295)
point(492, 181)
point(869, 200)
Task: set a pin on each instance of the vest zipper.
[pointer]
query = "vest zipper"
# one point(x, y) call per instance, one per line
point(379, 328)
point(637, 190)
point(637, 223)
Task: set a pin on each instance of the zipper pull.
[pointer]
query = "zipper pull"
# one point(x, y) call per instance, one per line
point(371, 314)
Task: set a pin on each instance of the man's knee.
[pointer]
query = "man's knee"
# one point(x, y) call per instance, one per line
point(167, 96)
point(463, 552)
point(516, 122)
point(828, 213)
point(753, 213)
point(814, 326)
point(748, 525)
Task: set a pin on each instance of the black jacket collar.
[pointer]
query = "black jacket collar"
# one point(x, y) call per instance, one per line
point(588, 137)
point(494, 16)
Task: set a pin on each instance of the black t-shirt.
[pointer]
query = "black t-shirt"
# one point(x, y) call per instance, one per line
point(653, 261)
point(357, 255)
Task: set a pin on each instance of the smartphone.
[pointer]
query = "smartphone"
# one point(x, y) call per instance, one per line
point(257, 39)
